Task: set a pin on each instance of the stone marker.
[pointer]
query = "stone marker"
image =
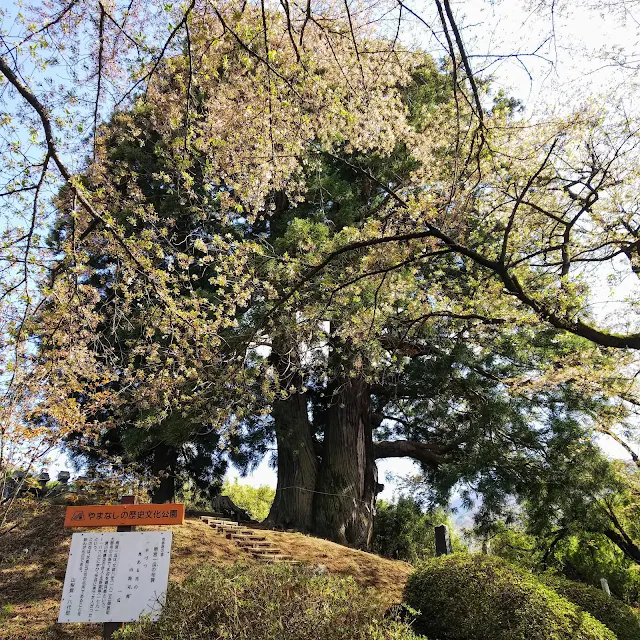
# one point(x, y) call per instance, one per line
point(43, 478)
point(443, 542)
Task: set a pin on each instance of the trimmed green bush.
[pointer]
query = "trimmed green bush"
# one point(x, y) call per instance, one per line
point(272, 602)
point(613, 613)
point(463, 597)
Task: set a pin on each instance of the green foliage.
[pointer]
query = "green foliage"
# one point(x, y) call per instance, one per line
point(582, 557)
point(462, 597)
point(262, 602)
point(589, 557)
point(505, 405)
point(256, 501)
point(402, 531)
point(613, 613)
point(5, 611)
point(191, 495)
point(517, 547)
point(498, 442)
point(579, 518)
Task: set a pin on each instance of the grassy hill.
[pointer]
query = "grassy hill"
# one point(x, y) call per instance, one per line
point(33, 557)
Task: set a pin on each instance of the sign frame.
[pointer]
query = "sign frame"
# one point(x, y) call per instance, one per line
point(114, 515)
point(115, 577)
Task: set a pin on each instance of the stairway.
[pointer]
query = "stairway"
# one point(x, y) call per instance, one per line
point(249, 540)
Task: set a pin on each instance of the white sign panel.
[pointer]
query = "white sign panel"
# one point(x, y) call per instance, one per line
point(115, 577)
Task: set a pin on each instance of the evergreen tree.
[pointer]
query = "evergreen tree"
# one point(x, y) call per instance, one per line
point(377, 348)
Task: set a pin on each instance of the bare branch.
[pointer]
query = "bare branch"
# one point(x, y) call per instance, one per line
point(465, 61)
point(518, 202)
point(156, 64)
point(97, 102)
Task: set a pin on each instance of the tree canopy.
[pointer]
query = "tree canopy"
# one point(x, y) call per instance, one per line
point(293, 226)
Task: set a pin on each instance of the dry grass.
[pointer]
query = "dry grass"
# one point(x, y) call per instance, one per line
point(386, 576)
point(33, 559)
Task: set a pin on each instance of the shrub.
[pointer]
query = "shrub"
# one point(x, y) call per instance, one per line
point(581, 557)
point(269, 602)
point(462, 597)
point(256, 501)
point(403, 532)
point(613, 613)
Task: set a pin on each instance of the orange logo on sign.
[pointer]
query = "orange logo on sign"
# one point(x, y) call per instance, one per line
point(113, 515)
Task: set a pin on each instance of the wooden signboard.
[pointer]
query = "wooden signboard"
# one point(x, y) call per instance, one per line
point(124, 514)
point(115, 577)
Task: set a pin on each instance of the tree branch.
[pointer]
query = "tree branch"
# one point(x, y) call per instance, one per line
point(465, 61)
point(52, 151)
point(429, 454)
point(96, 108)
point(621, 442)
point(627, 547)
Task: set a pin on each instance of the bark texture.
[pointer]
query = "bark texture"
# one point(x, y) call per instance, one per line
point(347, 481)
point(297, 465)
point(165, 460)
point(625, 544)
point(297, 461)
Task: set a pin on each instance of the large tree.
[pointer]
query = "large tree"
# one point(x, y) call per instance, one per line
point(465, 239)
point(374, 361)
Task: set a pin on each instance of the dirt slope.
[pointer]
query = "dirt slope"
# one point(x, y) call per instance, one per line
point(33, 559)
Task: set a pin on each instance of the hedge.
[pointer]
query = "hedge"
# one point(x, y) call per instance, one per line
point(613, 613)
point(464, 597)
point(268, 602)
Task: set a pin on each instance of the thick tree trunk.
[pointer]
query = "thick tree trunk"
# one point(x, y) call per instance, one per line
point(164, 469)
point(347, 482)
point(297, 461)
point(297, 465)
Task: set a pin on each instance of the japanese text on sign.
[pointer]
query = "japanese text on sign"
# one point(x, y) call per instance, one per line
point(113, 515)
point(115, 577)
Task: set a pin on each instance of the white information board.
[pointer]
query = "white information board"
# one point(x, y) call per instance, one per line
point(115, 577)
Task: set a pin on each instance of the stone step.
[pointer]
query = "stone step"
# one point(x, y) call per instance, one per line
point(241, 536)
point(224, 527)
point(258, 552)
point(254, 544)
point(274, 559)
point(220, 519)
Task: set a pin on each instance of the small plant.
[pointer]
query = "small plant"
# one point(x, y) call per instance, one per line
point(402, 531)
point(5, 611)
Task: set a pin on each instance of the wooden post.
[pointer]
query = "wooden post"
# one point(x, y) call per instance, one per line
point(109, 628)
point(443, 543)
